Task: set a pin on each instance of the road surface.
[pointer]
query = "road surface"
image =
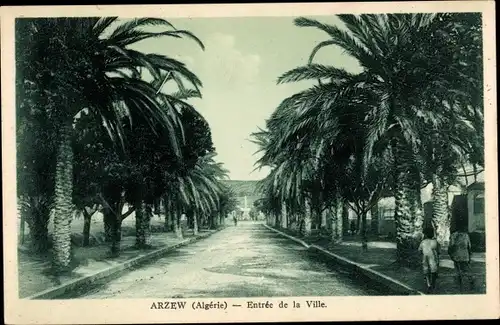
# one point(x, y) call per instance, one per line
point(248, 260)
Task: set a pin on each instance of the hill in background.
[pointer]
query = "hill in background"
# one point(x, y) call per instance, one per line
point(242, 188)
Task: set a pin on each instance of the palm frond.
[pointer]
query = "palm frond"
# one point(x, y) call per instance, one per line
point(314, 71)
point(102, 24)
point(139, 22)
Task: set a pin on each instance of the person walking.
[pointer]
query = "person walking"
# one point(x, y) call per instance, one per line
point(429, 247)
point(235, 220)
point(460, 253)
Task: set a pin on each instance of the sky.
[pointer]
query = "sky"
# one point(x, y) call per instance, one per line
point(242, 60)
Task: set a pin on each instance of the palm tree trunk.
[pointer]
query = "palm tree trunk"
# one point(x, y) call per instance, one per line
point(213, 221)
point(440, 216)
point(116, 235)
point(63, 201)
point(169, 221)
point(139, 215)
point(364, 238)
point(324, 219)
point(22, 227)
point(177, 225)
point(403, 194)
point(147, 224)
point(330, 218)
point(337, 220)
point(333, 216)
point(86, 227)
point(374, 219)
point(195, 223)
point(191, 221)
point(156, 204)
point(404, 227)
point(142, 225)
point(416, 205)
point(207, 221)
point(345, 219)
point(307, 219)
point(283, 216)
point(168, 215)
point(319, 218)
point(108, 217)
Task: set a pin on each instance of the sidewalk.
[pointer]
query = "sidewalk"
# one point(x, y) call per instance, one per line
point(34, 271)
point(381, 255)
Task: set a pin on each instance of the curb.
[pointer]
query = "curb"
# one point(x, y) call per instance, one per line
point(59, 290)
point(298, 241)
point(381, 279)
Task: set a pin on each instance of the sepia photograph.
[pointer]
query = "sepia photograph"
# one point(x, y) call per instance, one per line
point(246, 163)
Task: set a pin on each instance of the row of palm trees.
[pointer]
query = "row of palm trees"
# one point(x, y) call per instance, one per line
point(412, 116)
point(98, 127)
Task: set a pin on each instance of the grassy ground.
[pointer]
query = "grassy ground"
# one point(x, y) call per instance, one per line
point(381, 256)
point(34, 269)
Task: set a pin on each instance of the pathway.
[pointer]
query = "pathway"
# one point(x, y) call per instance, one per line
point(243, 261)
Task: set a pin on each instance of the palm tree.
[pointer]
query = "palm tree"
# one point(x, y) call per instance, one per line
point(459, 139)
point(394, 76)
point(80, 67)
point(291, 181)
point(201, 188)
point(447, 148)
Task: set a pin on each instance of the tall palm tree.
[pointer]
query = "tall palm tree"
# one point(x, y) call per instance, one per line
point(458, 139)
point(80, 66)
point(394, 76)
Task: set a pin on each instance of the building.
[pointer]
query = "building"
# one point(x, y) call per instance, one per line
point(475, 207)
point(470, 187)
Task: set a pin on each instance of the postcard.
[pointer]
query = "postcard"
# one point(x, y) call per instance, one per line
point(249, 162)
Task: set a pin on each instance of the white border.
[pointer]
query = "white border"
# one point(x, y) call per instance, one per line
point(345, 308)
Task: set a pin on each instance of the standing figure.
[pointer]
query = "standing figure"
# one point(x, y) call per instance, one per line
point(460, 253)
point(429, 247)
point(235, 220)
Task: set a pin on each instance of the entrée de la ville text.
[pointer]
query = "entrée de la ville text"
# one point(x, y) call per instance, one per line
point(202, 305)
